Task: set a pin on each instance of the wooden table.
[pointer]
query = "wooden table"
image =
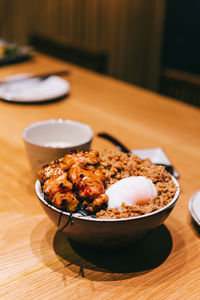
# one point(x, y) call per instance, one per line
point(37, 261)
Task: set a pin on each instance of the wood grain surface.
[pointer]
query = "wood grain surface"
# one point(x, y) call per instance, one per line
point(37, 261)
point(129, 31)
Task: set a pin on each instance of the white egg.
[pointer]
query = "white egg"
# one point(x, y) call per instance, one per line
point(132, 190)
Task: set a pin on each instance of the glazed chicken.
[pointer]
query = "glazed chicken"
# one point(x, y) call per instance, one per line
point(67, 201)
point(54, 185)
point(81, 158)
point(73, 181)
point(51, 170)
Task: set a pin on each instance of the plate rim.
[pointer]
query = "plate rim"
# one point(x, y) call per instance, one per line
point(191, 209)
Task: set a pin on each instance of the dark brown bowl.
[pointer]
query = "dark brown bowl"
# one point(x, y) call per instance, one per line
point(105, 233)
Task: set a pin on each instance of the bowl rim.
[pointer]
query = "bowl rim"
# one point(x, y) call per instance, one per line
point(88, 218)
point(57, 121)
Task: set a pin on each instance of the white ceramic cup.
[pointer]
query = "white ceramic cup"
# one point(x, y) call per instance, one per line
point(49, 140)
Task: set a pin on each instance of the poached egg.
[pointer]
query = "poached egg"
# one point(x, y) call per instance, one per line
point(131, 191)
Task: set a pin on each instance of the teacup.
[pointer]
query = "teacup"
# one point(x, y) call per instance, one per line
point(49, 140)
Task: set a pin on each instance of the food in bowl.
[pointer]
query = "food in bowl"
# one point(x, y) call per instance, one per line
point(75, 182)
point(106, 185)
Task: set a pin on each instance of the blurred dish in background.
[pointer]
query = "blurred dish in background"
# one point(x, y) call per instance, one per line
point(13, 53)
point(34, 89)
point(194, 207)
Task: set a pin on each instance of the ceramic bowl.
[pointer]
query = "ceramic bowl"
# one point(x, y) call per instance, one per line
point(49, 140)
point(106, 233)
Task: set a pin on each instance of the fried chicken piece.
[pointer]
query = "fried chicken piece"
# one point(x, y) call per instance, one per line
point(99, 201)
point(78, 172)
point(88, 179)
point(81, 158)
point(51, 171)
point(89, 182)
point(66, 201)
point(96, 205)
point(96, 170)
point(91, 190)
point(79, 175)
point(54, 185)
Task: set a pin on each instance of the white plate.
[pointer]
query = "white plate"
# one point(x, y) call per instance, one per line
point(34, 89)
point(194, 207)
